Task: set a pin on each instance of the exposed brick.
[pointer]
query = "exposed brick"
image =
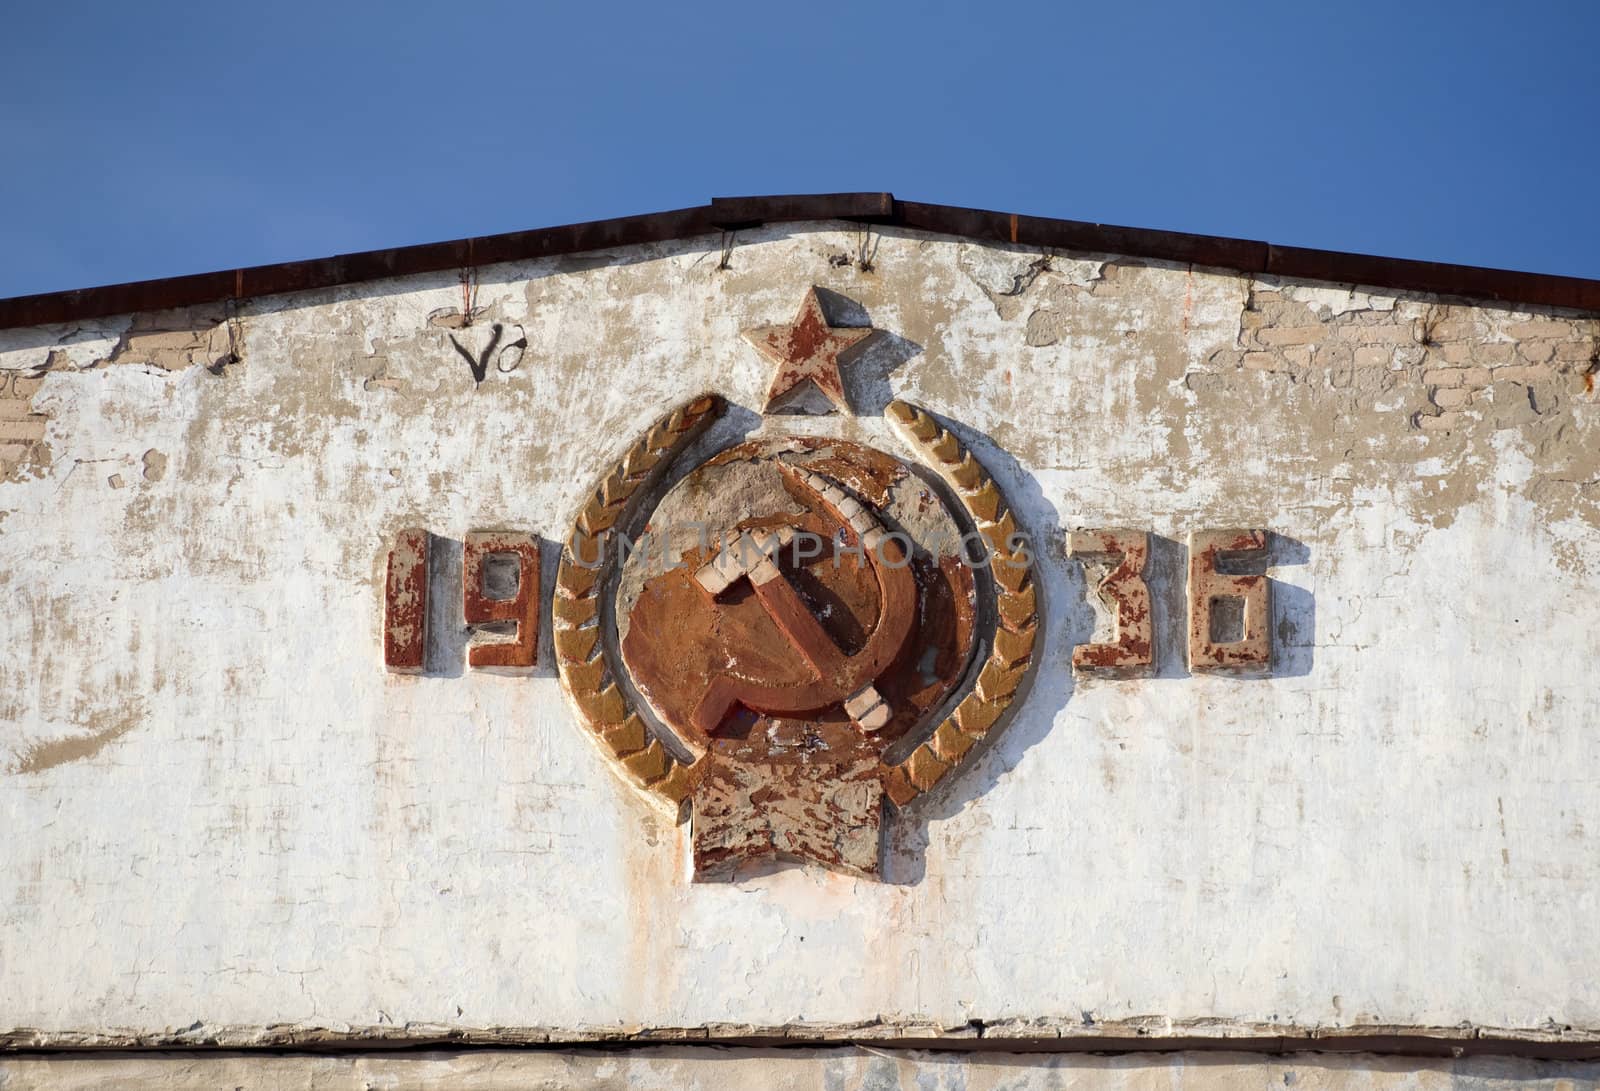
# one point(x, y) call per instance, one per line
point(27, 430)
point(1459, 352)
point(1408, 356)
point(14, 452)
point(1335, 354)
point(1455, 329)
point(1264, 361)
point(1581, 351)
point(1543, 327)
point(1386, 334)
point(1451, 398)
point(25, 386)
point(1495, 352)
point(13, 408)
point(1474, 376)
point(1373, 356)
point(1291, 335)
point(1531, 374)
point(1536, 352)
point(1298, 355)
point(1444, 376)
point(1442, 423)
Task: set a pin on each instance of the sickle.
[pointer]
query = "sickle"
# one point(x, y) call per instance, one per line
point(837, 677)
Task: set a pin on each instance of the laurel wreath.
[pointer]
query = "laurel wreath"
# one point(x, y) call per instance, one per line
point(581, 661)
point(1017, 608)
point(607, 711)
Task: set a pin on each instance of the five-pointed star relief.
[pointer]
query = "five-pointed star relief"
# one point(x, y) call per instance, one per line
point(808, 348)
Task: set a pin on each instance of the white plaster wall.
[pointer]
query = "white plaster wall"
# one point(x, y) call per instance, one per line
point(220, 809)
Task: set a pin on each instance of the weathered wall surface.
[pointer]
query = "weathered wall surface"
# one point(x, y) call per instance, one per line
point(669, 1069)
point(221, 810)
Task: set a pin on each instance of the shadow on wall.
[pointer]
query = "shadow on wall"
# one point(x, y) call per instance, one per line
point(1294, 611)
point(1067, 619)
point(866, 376)
point(1064, 621)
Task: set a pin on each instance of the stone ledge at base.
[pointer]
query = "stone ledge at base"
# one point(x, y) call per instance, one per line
point(737, 1069)
point(1146, 1035)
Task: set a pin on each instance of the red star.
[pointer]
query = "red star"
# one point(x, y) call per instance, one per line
point(808, 348)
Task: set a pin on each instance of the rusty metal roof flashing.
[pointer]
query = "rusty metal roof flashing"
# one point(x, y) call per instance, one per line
point(735, 213)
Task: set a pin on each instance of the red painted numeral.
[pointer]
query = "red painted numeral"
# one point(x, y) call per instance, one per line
point(1124, 553)
point(1230, 616)
point(405, 603)
point(500, 584)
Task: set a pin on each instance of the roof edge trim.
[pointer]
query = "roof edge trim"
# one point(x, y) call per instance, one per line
point(734, 213)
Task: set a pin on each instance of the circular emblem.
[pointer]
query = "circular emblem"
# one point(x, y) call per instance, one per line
point(807, 598)
point(793, 632)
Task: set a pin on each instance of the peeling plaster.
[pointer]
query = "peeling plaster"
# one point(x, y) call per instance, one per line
point(59, 751)
point(282, 832)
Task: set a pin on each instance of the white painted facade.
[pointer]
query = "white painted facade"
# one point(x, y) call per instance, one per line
point(223, 814)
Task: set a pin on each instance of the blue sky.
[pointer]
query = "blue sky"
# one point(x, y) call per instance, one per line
point(155, 139)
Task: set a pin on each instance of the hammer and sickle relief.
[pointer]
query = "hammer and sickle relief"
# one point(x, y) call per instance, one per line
point(838, 677)
point(820, 646)
point(840, 634)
